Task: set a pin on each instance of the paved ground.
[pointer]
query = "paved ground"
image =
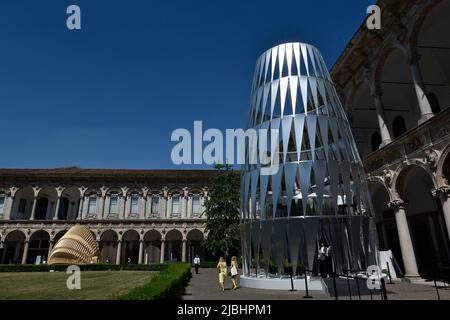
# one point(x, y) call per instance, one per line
point(204, 286)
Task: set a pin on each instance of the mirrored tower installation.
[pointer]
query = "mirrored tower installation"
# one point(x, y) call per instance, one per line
point(318, 192)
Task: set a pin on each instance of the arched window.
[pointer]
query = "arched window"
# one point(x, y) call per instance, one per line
point(399, 126)
point(376, 141)
point(434, 102)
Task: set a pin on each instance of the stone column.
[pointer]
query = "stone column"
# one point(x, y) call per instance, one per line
point(33, 208)
point(101, 206)
point(443, 193)
point(25, 252)
point(50, 248)
point(406, 246)
point(189, 207)
point(143, 210)
point(183, 251)
point(119, 251)
point(8, 207)
point(163, 245)
point(125, 209)
point(55, 214)
point(424, 105)
point(80, 208)
point(377, 95)
point(141, 250)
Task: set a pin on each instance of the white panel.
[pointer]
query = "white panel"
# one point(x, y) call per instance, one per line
point(286, 126)
point(299, 122)
point(305, 182)
point(305, 57)
point(289, 57)
point(273, 59)
point(276, 184)
point(253, 188)
point(323, 125)
point(311, 121)
point(304, 90)
point(293, 86)
point(273, 95)
point(312, 59)
point(290, 173)
point(265, 96)
point(267, 58)
point(313, 87)
point(283, 90)
point(296, 50)
point(281, 55)
point(319, 171)
point(264, 181)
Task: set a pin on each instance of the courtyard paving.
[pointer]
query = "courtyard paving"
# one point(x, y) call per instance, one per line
point(204, 286)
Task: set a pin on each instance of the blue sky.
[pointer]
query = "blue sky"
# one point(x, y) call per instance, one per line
point(110, 94)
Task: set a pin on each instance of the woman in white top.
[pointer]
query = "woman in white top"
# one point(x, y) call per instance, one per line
point(234, 271)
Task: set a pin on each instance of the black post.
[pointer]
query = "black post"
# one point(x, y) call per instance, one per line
point(437, 289)
point(357, 286)
point(349, 289)
point(389, 273)
point(383, 288)
point(292, 281)
point(306, 286)
point(335, 288)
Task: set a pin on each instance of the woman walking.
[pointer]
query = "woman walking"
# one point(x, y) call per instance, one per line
point(234, 272)
point(222, 267)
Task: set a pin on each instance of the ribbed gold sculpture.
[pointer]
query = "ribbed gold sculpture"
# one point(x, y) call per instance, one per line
point(77, 246)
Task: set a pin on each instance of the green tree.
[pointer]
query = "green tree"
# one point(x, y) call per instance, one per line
point(222, 210)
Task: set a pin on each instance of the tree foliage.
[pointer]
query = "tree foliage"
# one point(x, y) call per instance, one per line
point(222, 210)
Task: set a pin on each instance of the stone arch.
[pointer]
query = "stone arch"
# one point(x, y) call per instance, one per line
point(69, 208)
point(427, 38)
point(173, 240)
point(46, 204)
point(402, 169)
point(152, 246)
point(393, 76)
point(58, 235)
point(130, 246)
point(13, 247)
point(108, 246)
point(194, 239)
point(424, 215)
point(38, 247)
point(443, 167)
point(23, 203)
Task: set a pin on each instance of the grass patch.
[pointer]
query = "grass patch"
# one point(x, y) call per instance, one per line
point(167, 284)
point(95, 285)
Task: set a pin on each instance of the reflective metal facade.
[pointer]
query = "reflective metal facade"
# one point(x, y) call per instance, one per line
point(319, 189)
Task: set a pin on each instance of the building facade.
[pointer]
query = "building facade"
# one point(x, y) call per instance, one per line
point(395, 87)
point(136, 216)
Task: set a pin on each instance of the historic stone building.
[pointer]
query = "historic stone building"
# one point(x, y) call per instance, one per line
point(395, 87)
point(137, 216)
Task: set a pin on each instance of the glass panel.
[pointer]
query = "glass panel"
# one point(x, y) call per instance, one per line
point(196, 205)
point(92, 204)
point(176, 204)
point(155, 205)
point(134, 204)
point(2, 204)
point(113, 208)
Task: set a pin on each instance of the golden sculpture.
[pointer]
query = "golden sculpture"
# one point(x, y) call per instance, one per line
point(77, 246)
